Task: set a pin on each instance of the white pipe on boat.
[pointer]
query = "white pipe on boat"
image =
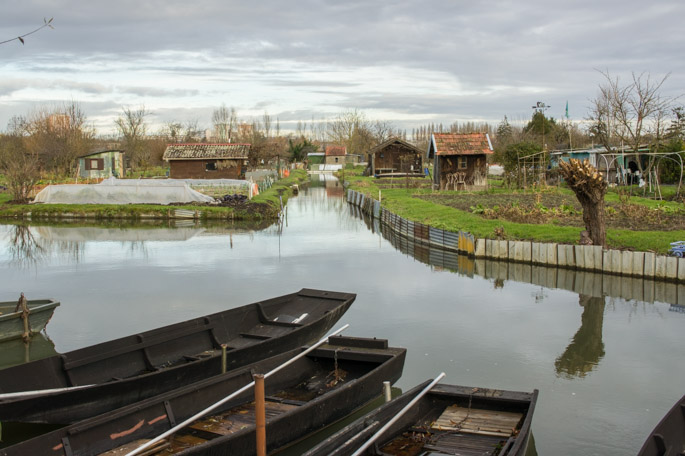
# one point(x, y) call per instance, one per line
point(406, 408)
point(174, 429)
point(40, 392)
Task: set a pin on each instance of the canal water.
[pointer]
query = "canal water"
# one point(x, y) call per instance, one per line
point(605, 353)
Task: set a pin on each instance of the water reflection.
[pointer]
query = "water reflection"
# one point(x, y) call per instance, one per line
point(586, 348)
point(30, 245)
point(16, 351)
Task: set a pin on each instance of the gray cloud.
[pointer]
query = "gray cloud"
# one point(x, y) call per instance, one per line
point(504, 56)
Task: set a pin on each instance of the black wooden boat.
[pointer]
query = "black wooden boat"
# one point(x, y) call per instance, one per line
point(133, 368)
point(321, 387)
point(446, 420)
point(668, 437)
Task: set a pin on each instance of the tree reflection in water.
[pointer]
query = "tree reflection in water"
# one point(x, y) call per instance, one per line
point(25, 248)
point(586, 348)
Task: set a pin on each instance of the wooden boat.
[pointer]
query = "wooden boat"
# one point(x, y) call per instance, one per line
point(12, 323)
point(448, 419)
point(668, 437)
point(133, 368)
point(321, 387)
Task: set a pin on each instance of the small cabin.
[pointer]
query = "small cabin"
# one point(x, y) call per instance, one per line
point(335, 155)
point(101, 164)
point(207, 161)
point(395, 157)
point(459, 160)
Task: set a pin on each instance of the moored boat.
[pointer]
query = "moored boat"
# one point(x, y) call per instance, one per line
point(13, 325)
point(447, 419)
point(112, 374)
point(668, 437)
point(313, 391)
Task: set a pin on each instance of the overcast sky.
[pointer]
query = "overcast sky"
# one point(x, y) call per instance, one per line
point(408, 62)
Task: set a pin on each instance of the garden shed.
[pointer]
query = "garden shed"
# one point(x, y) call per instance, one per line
point(207, 161)
point(395, 157)
point(335, 155)
point(101, 164)
point(460, 160)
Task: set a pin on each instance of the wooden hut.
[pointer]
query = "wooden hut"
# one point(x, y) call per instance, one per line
point(395, 157)
point(101, 164)
point(460, 160)
point(207, 161)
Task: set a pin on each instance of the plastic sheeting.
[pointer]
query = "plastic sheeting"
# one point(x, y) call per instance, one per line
point(122, 191)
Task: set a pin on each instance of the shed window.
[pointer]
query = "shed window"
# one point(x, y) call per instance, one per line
point(210, 166)
point(463, 162)
point(95, 164)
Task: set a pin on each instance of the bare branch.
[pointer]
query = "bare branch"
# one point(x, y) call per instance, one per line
point(46, 23)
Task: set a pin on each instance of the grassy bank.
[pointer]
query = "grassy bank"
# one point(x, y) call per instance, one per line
point(414, 203)
point(264, 206)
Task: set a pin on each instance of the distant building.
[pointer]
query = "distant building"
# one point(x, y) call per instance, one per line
point(335, 155)
point(101, 164)
point(460, 159)
point(395, 156)
point(207, 161)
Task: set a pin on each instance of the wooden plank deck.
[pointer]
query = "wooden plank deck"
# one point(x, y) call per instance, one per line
point(477, 421)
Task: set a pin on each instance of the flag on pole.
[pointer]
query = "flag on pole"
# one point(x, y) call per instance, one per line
point(566, 109)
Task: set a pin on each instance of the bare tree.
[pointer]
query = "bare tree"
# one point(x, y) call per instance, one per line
point(353, 130)
point(57, 136)
point(266, 121)
point(629, 114)
point(19, 166)
point(20, 38)
point(132, 127)
point(225, 121)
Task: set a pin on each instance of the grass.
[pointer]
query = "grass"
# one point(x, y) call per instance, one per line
point(402, 202)
point(263, 206)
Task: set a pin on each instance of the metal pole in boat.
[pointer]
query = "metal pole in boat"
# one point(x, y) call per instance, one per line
point(223, 358)
point(406, 408)
point(260, 414)
point(176, 428)
point(387, 392)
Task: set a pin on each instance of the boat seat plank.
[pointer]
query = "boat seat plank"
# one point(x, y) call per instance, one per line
point(478, 421)
point(125, 449)
point(463, 444)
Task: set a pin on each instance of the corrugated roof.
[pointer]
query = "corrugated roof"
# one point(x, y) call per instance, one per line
point(206, 151)
point(335, 150)
point(392, 141)
point(460, 144)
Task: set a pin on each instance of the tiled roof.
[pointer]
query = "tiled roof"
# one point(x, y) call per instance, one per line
point(335, 150)
point(460, 144)
point(206, 151)
point(392, 141)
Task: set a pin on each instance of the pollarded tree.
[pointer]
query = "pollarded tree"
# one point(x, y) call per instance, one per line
point(132, 127)
point(590, 187)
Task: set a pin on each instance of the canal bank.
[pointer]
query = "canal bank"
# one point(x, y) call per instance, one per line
point(579, 257)
point(265, 206)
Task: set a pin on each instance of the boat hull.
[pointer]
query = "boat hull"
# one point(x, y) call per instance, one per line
point(12, 324)
point(306, 400)
point(195, 354)
point(421, 419)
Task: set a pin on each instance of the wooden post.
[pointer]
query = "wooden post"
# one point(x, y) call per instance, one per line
point(387, 392)
point(260, 414)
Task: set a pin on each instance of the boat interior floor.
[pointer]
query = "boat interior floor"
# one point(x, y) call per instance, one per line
point(458, 430)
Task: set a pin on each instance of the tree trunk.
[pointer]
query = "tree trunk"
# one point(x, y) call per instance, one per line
point(590, 187)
